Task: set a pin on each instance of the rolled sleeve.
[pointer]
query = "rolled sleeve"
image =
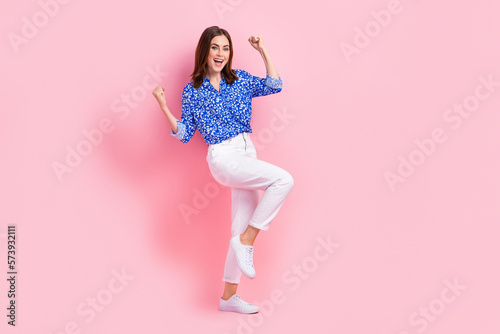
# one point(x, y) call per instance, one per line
point(264, 86)
point(186, 126)
point(274, 83)
point(181, 131)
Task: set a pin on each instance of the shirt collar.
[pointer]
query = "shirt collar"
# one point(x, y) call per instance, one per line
point(206, 82)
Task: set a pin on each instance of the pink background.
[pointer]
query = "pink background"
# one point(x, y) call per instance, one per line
point(350, 118)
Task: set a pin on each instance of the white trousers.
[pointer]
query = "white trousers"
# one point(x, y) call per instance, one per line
point(233, 163)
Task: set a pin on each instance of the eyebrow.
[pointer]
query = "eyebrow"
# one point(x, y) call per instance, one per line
point(218, 44)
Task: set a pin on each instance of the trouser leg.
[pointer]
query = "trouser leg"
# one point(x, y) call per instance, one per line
point(253, 174)
point(237, 166)
point(243, 204)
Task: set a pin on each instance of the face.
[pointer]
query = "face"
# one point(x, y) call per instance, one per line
point(219, 54)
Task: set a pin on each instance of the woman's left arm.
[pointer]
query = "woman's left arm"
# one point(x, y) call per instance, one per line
point(258, 43)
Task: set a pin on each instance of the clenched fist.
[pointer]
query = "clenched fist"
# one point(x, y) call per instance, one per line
point(257, 42)
point(159, 94)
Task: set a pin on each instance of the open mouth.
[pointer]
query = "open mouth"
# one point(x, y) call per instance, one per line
point(218, 62)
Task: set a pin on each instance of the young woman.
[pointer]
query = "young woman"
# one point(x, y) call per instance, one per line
point(218, 102)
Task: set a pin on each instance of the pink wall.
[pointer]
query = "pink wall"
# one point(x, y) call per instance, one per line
point(387, 121)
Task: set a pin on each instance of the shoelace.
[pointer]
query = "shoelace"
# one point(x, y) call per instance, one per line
point(241, 301)
point(249, 257)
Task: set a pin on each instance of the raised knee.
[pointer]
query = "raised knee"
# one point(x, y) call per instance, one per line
point(288, 180)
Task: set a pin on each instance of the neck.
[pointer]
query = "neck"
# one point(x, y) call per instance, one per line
point(214, 76)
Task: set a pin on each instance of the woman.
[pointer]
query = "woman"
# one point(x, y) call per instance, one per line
point(218, 102)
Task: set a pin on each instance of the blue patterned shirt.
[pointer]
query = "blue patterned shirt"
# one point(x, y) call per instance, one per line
point(222, 114)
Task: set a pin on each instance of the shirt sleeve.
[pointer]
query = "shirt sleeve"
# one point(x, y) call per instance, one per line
point(267, 86)
point(186, 126)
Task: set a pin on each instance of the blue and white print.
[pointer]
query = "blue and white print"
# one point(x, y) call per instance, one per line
point(222, 114)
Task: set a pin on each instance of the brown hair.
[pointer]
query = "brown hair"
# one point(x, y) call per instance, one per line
point(201, 57)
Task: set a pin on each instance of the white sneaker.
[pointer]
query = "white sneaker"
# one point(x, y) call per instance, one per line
point(236, 304)
point(244, 256)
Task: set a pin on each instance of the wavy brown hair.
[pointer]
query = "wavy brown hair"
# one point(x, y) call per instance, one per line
point(201, 57)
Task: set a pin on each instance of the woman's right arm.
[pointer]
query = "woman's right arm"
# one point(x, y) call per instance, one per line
point(159, 94)
point(185, 128)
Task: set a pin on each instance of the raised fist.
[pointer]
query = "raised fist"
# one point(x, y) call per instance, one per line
point(159, 94)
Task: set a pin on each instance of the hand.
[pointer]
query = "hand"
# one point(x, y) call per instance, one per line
point(159, 94)
point(257, 42)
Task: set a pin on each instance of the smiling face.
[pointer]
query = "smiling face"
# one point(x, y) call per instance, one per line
point(219, 53)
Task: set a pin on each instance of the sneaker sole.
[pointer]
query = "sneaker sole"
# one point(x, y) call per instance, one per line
point(232, 309)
